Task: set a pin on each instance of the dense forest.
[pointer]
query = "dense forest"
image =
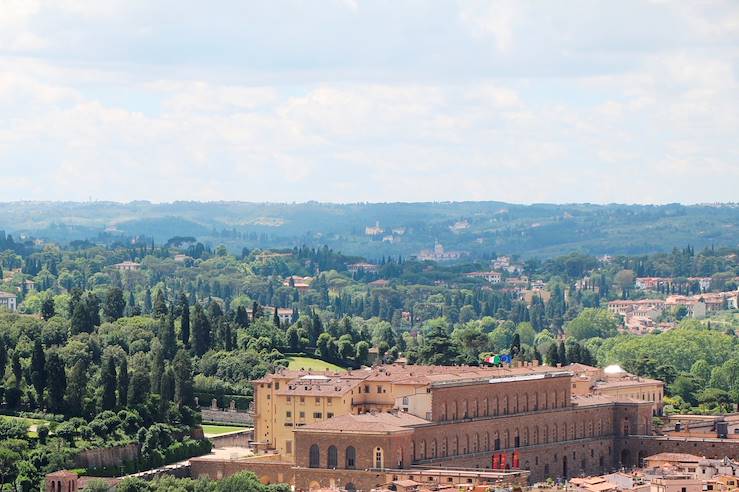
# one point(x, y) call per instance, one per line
point(99, 355)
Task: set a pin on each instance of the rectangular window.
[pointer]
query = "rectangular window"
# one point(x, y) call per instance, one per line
point(317, 415)
point(289, 447)
point(329, 415)
point(302, 415)
point(366, 388)
point(318, 399)
point(269, 397)
point(379, 389)
point(328, 401)
point(289, 414)
point(302, 399)
point(277, 386)
point(289, 398)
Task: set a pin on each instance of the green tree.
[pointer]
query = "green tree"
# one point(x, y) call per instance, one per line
point(76, 388)
point(109, 382)
point(57, 382)
point(326, 347)
point(47, 308)
point(201, 331)
point(114, 304)
point(167, 390)
point(362, 352)
point(437, 348)
point(552, 357)
point(686, 387)
point(168, 337)
point(140, 386)
point(123, 379)
point(184, 320)
point(8, 466)
point(592, 322)
point(562, 354)
point(38, 371)
point(183, 373)
point(160, 304)
point(156, 357)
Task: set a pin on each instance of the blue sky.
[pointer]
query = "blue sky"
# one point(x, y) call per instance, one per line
point(349, 100)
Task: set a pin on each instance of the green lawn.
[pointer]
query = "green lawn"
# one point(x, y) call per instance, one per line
point(218, 429)
point(297, 363)
point(32, 424)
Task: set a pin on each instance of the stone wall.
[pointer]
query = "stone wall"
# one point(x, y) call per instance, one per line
point(227, 417)
point(101, 457)
point(633, 449)
point(232, 439)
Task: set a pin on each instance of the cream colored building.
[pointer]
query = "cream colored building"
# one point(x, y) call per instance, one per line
point(615, 382)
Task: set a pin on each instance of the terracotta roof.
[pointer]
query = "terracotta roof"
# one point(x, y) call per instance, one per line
point(381, 422)
point(62, 473)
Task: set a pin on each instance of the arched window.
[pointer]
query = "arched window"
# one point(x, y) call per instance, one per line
point(432, 454)
point(495, 406)
point(464, 409)
point(422, 450)
point(379, 458)
point(314, 456)
point(455, 446)
point(444, 447)
point(333, 458)
point(505, 405)
point(351, 458)
point(454, 410)
point(485, 407)
point(443, 411)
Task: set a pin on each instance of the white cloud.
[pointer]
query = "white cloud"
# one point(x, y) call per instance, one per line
point(123, 101)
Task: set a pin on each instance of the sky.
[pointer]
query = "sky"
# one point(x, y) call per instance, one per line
point(377, 100)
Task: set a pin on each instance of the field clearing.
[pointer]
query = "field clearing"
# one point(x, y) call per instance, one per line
point(297, 363)
point(211, 430)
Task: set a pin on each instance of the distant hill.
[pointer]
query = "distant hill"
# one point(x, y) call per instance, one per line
point(474, 228)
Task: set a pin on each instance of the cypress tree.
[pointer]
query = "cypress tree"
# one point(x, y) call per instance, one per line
point(147, 301)
point(157, 365)
point(76, 388)
point(168, 337)
point(553, 355)
point(167, 390)
point(57, 382)
point(38, 371)
point(47, 308)
point(123, 383)
point(3, 358)
point(109, 381)
point(201, 331)
point(182, 366)
point(562, 354)
point(241, 317)
point(160, 304)
point(276, 319)
point(17, 368)
point(185, 320)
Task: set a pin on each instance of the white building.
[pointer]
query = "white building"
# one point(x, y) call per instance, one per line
point(7, 301)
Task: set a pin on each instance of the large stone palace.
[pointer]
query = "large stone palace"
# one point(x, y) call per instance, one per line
point(364, 428)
